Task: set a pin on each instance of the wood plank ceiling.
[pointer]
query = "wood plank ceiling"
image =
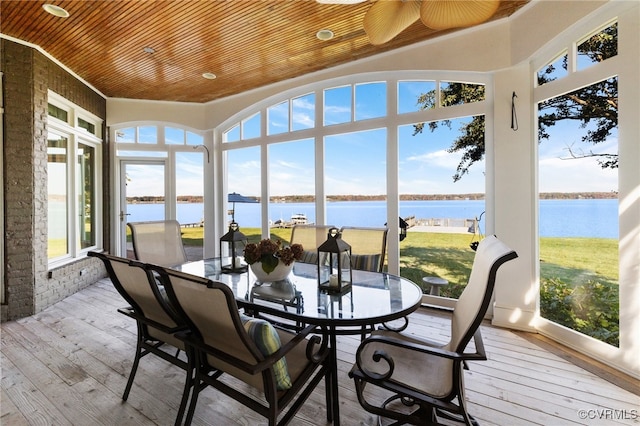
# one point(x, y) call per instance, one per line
point(245, 43)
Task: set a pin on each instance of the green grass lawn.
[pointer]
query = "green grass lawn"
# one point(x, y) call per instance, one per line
point(573, 260)
point(576, 260)
point(578, 276)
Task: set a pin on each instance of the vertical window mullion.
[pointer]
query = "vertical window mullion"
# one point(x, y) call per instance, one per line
point(353, 103)
point(573, 58)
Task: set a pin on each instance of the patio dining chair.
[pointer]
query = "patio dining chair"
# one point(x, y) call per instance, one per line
point(158, 242)
point(310, 237)
point(284, 368)
point(368, 247)
point(425, 376)
point(368, 250)
point(156, 320)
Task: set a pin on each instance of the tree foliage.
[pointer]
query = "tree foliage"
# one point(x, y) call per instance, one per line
point(471, 139)
point(595, 107)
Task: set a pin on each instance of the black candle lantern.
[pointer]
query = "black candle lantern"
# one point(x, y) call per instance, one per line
point(334, 263)
point(403, 228)
point(232, 243)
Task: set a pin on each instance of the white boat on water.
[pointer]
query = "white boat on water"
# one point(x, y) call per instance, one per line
point(299, 219)
point(296, 219)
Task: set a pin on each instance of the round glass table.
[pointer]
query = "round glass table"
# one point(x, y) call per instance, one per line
point(373, 298)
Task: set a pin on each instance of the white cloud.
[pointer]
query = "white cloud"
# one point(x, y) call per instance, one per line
point(575, 175)
point(304, 119)
point(440, 158)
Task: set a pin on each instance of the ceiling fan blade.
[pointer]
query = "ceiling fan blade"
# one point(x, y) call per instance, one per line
point(388, 18)
point(444, 14)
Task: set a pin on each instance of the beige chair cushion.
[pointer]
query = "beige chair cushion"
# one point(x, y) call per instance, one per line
point(310, 236)
point(431, 374)
point(158, 242)
point(215, 315)
point(135, 282)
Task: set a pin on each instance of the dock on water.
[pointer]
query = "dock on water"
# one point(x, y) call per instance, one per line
point(444, 225)
point(436, 225)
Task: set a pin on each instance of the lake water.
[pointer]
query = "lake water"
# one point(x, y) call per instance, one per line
point(558, 218)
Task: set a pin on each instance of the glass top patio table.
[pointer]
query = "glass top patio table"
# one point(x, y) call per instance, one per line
point(374, 297)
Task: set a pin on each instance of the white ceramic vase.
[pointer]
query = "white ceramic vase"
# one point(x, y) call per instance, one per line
point(280, 273)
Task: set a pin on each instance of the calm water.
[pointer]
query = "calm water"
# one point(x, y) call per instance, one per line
point(558, 218)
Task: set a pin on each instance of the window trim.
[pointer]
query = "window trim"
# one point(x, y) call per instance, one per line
point(625, 67)
point(77, 135)
point(392, 121)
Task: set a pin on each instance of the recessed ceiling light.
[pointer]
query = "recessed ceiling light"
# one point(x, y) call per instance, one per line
point(324, 35)
point(149, 50)
point(209, 76)
point(55, 10)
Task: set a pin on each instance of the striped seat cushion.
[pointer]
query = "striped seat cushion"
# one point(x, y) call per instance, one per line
point(267, 340)
point(365, 262)
point(309, 257)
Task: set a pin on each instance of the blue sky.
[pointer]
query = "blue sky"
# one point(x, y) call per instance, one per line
point(355, 163)
point(558, 172)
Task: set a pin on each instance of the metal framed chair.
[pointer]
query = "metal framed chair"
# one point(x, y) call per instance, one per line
point(284, 367)
point(368, 247)
point(156, 319)
point(158, 242)
point(425, 376)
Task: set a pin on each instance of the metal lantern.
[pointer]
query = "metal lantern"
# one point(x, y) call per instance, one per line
point(403, 228)
point(334, 263)
point(233, 243)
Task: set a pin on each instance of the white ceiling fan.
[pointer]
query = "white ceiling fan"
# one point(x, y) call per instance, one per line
point(388, 18)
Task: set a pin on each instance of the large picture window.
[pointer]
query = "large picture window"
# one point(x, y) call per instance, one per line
point(346, 153)
point(73, 161)
point(578, 193)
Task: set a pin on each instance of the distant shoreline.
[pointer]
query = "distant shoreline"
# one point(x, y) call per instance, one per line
point(403, 197)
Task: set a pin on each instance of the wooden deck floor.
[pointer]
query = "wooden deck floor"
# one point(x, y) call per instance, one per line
point(68, 366)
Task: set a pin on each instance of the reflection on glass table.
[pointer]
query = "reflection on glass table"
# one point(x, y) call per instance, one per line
point(282, 293)
point(374, 297)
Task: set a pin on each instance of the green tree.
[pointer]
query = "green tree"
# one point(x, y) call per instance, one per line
point(594, 106)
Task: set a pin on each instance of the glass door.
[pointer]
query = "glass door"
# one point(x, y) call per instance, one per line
point(142, 196)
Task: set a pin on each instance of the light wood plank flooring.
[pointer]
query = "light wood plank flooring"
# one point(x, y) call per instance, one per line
point(68, 365)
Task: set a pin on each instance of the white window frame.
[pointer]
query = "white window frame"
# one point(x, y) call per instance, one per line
point(625, 66)
point(75, 136)
point(121, 151)
point(392, 121)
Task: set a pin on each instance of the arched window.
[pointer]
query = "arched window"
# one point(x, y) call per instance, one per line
point(361, 151)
